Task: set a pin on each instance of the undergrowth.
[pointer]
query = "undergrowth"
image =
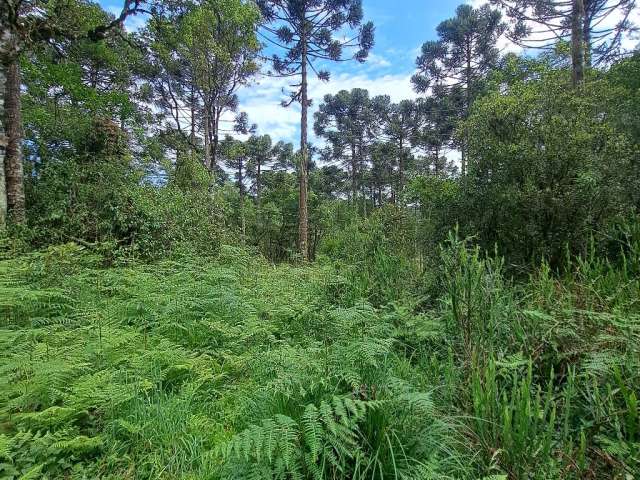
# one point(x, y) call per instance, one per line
point(231, 367)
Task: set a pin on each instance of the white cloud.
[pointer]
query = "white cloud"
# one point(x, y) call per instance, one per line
point(377, 61)
point(262, 101)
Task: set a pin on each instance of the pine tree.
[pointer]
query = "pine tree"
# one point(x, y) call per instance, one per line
point(260, 153)
point(401, 125)
point(346, 121)
point(305, 31)
point(436, 125)
point(590, 26)
point(462, 56)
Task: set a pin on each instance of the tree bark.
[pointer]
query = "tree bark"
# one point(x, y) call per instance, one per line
point(241, 190)
point(354, 175)
point(577, 41)
point(207, 147)
point(467, 108)
point(586, 38)
point(13, 155)
point(3, 149)
point(215, 141)
point(303, 214)
point(258, 182)
point(401, 166)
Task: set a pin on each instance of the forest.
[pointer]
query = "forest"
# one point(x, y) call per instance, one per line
point(443, 286)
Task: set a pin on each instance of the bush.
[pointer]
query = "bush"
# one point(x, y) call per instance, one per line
point(548, 166)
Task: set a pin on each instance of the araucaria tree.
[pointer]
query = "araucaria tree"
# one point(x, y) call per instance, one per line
point(308, 32)
point(346, 121)
point(260, 153)
point(462, 56)
point(594, 28)
point(201, 55)
point(401, 128)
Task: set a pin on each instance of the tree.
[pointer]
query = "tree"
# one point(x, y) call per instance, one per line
point(401, 125)
point(549, 167)
point(24, 24)
point(462, 56)
point(589, 26)
point(202, 54)
point(383, 162)
point(173, 83)
point(305, 32)
point(436, 125)
point(347, 121)
point(219, 41)
point(235, 155)
point(261, 153)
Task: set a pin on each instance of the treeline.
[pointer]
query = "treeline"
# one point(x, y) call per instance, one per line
point(137, 140)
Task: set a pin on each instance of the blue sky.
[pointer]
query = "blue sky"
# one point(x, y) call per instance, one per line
point(401, 28)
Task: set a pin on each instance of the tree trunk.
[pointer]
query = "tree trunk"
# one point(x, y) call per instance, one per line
point(354, 175)
point(215, 141)
point(401, 166)
point(303, 214)
point(207, 147)
point(577, 41)
point(467, 108)
point(192, 136)
point(586, 39)
point(13, 159)
point(258, 182)
point(3, 149)
point(241, 190)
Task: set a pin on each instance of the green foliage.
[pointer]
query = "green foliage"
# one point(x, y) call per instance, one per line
point(548, 167)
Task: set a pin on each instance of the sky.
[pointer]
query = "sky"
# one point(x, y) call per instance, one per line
point(401, 26)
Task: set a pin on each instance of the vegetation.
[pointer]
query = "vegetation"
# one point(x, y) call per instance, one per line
point(164, 315)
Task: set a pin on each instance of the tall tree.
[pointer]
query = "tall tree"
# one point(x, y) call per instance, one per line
point(218, 38)
point(261, 153)
point(594, 28)
point(24, 24)
point(346, 121)
point(436, 125)
point(235, 153)
point(172, 79)
point(462, 56)
point(400, 127)
point(306, 31)
point(383, 163)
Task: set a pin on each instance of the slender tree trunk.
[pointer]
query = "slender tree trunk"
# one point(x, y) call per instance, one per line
point(258, 182)
point(586, 37)
point(241, 190)
point(467, 108)
point(3, 148)
point(303, 215)
point(192, 136)
point(401, 166)
point(207, 142)
point(354, 175)
point(577, 41)
point(13, 159)
point(215, 141)
point(436, 164)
